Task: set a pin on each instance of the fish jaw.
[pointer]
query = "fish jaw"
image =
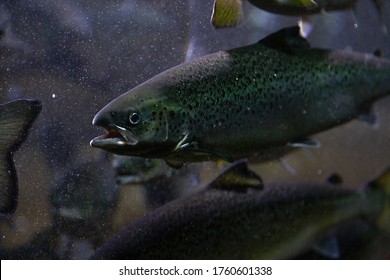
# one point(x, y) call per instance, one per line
point(122, 140)
point(111, 138)
point(116, 137)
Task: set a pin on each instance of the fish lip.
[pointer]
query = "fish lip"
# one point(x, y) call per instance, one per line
point(115, 136)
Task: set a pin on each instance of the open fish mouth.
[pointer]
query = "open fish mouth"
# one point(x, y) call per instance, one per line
point(117, 136)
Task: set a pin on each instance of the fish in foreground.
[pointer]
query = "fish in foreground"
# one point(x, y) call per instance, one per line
point(243, 102)
point(241, 221)
point(230, 13)
point(16, 118)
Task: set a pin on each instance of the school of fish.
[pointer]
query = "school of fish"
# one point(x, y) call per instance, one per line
point(262, 100)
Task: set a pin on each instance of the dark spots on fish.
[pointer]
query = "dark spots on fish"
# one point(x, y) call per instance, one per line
point(256, 88)
point(152, 116)
point(160, 116)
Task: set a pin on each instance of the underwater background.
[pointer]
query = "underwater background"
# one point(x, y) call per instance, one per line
point(76, 56)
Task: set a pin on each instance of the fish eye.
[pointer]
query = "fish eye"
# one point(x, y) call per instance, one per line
point(134, 118)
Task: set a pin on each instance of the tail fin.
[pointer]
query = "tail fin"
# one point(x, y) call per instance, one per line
point(16, 118)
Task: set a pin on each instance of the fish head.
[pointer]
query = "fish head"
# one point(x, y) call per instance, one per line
point(137, 170)
point(136, 124)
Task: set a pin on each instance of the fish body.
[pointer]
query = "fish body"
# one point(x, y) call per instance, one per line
point(242, 222)
point(302, 7)
point(230, 13)
point(16, 118)
point(237, 103)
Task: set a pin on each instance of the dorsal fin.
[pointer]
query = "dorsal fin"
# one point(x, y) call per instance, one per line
point(238, 178)
point(286, 39)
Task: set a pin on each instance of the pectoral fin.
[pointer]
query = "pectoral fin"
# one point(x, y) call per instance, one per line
point(328, 247)
point(305, 26)
point(237, 178)
point(227, 13)
point(192, 147)
point(307, 143)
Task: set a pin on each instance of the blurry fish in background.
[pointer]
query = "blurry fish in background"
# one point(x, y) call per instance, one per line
point(16, 118)
point(302, 7)
point(278, 222)
point(134, 170)
point(152, 175)
point(83, 204)
point(233, 109)
point(41, 246)
point(159, 182)
point(330, 22)
point(380, 6)
point(69, 14)
point(230, 13)
point(312, 13)
point(8, 39)
point(353, 240)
